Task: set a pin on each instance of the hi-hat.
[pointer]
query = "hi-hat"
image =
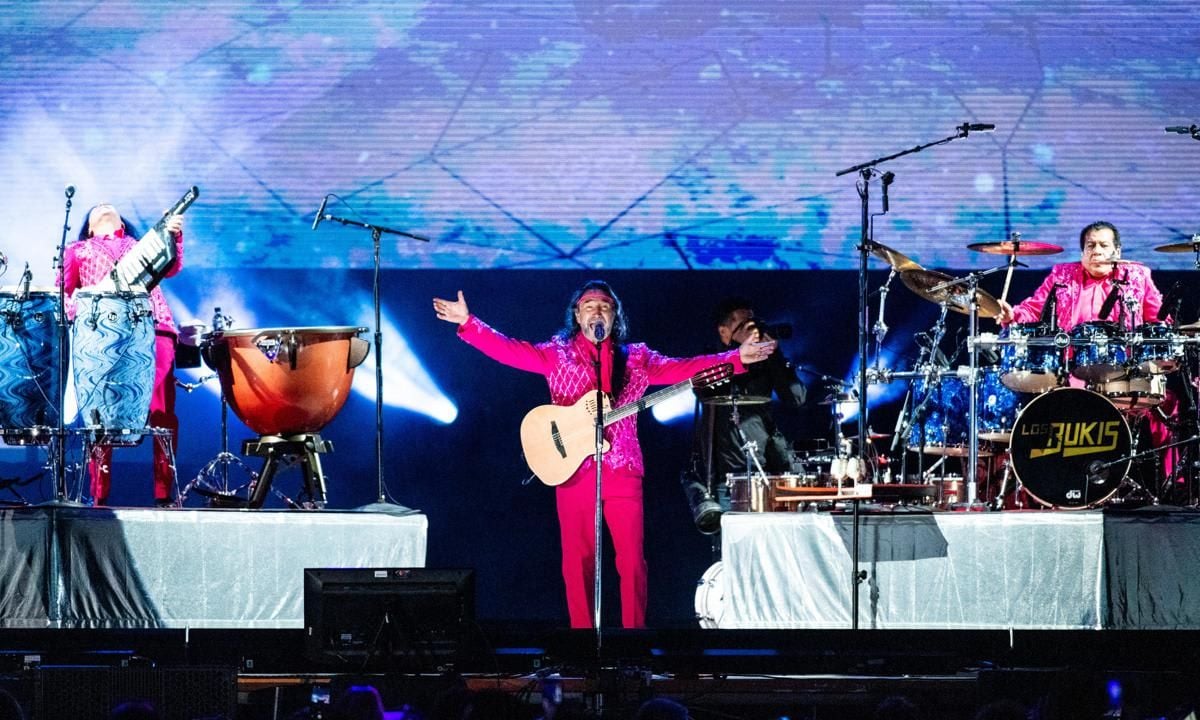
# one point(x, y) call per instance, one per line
point(955, 297)
point(899, 261)
point(1018, 247)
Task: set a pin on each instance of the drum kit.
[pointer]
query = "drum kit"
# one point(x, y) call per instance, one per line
point(1050, 419)
point(1062, 413)
point(286, 384)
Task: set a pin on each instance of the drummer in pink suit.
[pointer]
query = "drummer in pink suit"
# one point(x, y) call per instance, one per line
point(1081, 289)
point(104, 239)
point(567, 362)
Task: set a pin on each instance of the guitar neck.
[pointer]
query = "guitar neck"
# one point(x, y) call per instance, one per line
point(646, 401)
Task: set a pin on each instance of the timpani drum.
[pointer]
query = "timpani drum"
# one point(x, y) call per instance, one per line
point(287, 381)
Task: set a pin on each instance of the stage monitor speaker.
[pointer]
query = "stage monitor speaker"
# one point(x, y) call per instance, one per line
point(390, 618)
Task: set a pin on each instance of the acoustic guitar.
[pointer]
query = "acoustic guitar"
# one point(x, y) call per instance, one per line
point(556, 438)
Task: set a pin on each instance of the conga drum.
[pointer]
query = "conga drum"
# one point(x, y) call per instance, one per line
point(29, 357)
point(287, 381)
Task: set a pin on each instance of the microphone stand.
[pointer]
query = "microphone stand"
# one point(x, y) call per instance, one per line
point(59, 454)
point(381, 503)
point(598, 457)
point(866, 244)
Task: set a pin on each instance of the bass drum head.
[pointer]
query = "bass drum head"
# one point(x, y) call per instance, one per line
point(710, 597)
point(1060, 444)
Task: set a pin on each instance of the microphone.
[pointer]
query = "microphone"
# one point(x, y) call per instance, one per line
point(1172, 303)
point(26, 279)
point(320, 212)
point(888, 177)
point(1182, 130)
point(1047, 317)
point(1097, 472)
point(976, 127)
point(70, 191)
point(599, 331)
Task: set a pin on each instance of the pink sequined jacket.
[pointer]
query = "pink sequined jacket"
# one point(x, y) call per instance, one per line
point(568, 366)
point(89, 261)
point(1072, 278)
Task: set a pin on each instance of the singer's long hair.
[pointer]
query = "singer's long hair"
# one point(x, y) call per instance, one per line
point(130, 229)
point(620, 328)
point(1100, 225)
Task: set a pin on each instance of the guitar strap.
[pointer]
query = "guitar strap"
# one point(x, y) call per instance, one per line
point(620, 361)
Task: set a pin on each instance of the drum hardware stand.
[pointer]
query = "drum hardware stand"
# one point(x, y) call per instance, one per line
point(1095, 472)
point(306, 447)
point(971, 281)
point(221, 495)
point(381, 503)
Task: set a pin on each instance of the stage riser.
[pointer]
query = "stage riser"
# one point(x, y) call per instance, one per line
point(196, 569)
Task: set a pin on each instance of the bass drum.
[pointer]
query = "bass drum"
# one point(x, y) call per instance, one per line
point(710, 597)
point(1070, 448)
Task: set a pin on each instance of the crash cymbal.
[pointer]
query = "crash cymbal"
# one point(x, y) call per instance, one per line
point(1020, 247)
point(727, 400)
point(920, 282)
point(897, 260)
point(1189, 246)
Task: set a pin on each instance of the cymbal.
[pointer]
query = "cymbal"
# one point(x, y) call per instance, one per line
point(897, 260)
point(1020, 247)
point(1189, 246)
point(727, 400)
point(840, 398)
point(920, 282)
point(1190, 328)
point(871, 436)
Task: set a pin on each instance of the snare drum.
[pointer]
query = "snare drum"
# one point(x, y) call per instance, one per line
point(1134, 393)
point(1157, 348)
point(1099, 352)
point(1070, 448)
point(754, 493)
point(1030, 362)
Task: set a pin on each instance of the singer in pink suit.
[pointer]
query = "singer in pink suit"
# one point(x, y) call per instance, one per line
point(104, 239)
point(595, 324)
point(1081, 290)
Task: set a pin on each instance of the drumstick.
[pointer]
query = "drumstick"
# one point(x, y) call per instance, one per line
point(1008, 278)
